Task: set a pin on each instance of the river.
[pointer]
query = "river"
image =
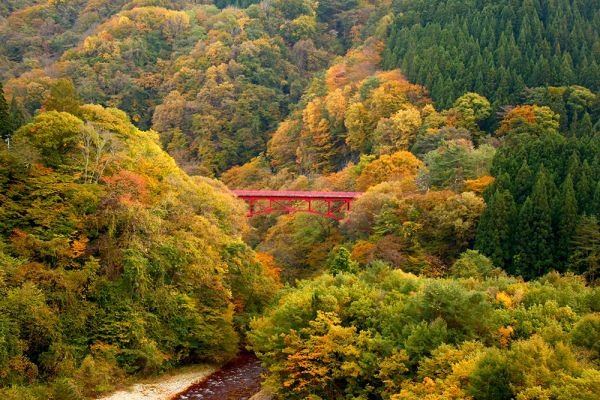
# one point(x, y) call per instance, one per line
point(238, 380)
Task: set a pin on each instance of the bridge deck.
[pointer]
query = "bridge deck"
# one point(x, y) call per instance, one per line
point(256, 194)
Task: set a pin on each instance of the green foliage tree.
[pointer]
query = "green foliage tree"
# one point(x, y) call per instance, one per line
point(454, 162)
point(492, 377)
point(534, 256)
point(339, 261)
point(54, 134)
point(135, 271)
point(6, 123)
point(62, 97)
point(586, 333)
point(585, 244)
point(472, 264)
point(385, 333)
point(472, 109)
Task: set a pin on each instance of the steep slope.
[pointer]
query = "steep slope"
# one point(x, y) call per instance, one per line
point(10, 6)
point(351, 109)
point(495, 48)
point(427, 172)
point(35, 33)
point(360, 128)
point(113, 260)
point(219, 80)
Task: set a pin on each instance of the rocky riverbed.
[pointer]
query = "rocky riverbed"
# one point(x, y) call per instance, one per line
point(240, 379)
point(166, 387)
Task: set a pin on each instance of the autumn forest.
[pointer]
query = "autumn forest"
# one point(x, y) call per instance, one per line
point(469, 268)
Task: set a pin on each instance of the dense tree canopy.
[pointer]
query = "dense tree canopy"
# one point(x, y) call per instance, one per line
point(545, 189)
point(495, 48)
point(391, 335)
point(467, 269)
point(113, 260)
point(232, 74)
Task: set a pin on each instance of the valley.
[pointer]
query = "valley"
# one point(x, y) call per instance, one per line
point(375, 200)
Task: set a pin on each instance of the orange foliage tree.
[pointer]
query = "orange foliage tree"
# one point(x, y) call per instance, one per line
point(529, 119)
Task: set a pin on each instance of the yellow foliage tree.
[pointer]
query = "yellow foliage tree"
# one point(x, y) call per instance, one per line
point(394, 167)
point(272, 269)
point(359, 124)
point(480, 184)
point(284, 142)
point(336, 104)
point(399, 131)
point(317, 143)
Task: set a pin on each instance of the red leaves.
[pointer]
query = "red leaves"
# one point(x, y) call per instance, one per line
point(128, 187)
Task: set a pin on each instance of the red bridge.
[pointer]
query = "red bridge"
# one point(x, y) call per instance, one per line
point(332, 205)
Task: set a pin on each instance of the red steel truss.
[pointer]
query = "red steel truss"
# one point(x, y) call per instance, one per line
point(332, 205)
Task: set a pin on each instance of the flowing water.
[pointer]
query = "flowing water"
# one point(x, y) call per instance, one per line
point(238, 380)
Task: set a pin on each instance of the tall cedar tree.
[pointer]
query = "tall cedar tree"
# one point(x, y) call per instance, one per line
point(6, 124)
point(585, 256)
point(496, 228)
point(585, 191)
point(523, 183)
point(567, 222)
point(495, 48)
point(596, 204)
point(534, 235)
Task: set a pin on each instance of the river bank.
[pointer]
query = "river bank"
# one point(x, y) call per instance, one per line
point(264, 394)
point(164, 387)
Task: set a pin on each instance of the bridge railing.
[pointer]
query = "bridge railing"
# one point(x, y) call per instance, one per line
point(334, 205)
point(296, 194)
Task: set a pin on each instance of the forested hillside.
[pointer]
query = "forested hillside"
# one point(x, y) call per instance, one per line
point(9, 6)
point(213, 82)
point(543, 210)
point(467, 269)
point(113, 260)
point(385, 334)
point(495, 48)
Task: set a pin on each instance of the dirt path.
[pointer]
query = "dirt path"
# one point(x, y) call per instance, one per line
point(164, 388)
